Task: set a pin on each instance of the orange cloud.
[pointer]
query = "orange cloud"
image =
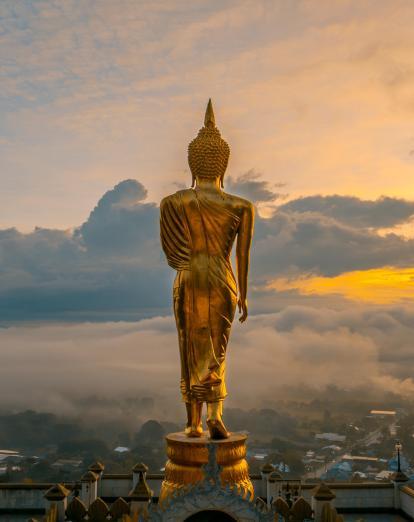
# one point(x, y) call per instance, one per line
point(379, 285)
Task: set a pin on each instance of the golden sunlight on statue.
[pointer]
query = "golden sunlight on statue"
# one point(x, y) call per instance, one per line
point(198, 229)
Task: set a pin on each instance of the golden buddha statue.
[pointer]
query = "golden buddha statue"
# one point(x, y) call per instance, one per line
point(198, 228)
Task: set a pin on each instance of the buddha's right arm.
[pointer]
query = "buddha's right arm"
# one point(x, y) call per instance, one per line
point(244, 240)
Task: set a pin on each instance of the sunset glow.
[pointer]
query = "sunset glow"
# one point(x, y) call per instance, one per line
point(380, 285)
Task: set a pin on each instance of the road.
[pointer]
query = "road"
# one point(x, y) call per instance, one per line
point(371, 438)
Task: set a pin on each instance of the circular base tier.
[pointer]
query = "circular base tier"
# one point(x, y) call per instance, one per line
point(187, 455)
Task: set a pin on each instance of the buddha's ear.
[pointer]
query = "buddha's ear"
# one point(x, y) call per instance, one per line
point(193, 181)
point(222, 181)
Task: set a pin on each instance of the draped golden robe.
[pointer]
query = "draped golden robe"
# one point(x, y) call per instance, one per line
point(197, 236)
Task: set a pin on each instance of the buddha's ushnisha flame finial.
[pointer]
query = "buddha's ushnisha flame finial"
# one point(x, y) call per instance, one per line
point(209, 120)
point(208, 153)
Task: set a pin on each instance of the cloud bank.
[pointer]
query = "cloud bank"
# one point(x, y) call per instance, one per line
point(111, 267)
point(111, 264)
point(385, 212)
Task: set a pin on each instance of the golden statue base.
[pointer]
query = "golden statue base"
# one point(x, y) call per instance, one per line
point(187, 455)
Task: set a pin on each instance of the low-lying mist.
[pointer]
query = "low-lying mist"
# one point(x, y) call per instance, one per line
point(130, 371)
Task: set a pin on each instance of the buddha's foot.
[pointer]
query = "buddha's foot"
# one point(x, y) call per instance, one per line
point(194, 431)
point(194, 427)
point(217, 429)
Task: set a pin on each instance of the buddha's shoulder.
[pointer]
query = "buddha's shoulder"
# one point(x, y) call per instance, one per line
point(176, 197)
point(239, 202)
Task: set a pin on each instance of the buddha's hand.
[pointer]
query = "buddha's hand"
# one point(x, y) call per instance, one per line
point(242, 304)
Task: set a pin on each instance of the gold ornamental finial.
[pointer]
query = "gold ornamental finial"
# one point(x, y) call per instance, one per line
point(209, 120)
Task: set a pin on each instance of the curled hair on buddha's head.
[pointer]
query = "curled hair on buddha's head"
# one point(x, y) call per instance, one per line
point(208, 153)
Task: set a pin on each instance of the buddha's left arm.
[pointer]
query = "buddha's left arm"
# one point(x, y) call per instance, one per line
point(244, 240)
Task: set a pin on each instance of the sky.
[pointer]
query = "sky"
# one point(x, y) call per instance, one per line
point(316, 95)
point(98, 102)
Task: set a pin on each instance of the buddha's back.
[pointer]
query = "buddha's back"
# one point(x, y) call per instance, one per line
point(220, 215)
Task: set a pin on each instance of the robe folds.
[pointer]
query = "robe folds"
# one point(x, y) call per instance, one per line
point(197, 234)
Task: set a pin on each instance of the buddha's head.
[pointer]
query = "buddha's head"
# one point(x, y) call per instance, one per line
point(208, 153)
